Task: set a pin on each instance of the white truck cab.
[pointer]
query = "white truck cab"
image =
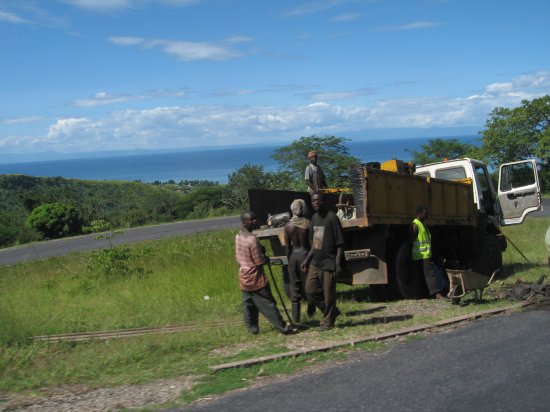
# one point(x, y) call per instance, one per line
point(518, 186)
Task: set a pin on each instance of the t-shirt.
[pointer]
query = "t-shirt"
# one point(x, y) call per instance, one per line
point(314, 174)
point(325, 236)
point(250, 258)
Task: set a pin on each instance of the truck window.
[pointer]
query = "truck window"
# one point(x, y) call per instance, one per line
point(452, 173)
point(482, 178)
point(517, 175)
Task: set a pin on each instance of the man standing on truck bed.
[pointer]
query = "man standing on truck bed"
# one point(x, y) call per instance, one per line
point(254, 285)
point(421, 240)
point(296, 234)
point(327, 250)
point(314, 176)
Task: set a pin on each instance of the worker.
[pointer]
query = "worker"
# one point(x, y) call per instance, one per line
point(296, 237)
point(314, 176)
point(254, 285)
point(324, 260)
point(421, 240)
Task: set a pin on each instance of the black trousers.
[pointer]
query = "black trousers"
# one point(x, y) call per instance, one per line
point(261, 300)
point(297, 278)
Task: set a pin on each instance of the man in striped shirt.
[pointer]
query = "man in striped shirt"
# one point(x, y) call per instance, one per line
point(256, 293)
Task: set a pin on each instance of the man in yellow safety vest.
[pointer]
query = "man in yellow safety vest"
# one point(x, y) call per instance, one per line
point(421, 240)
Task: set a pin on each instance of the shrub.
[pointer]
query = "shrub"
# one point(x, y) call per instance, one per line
point(55, 220)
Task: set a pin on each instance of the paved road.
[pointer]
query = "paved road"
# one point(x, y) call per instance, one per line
point(59, 247)
point(493, 364)
point(41, 250)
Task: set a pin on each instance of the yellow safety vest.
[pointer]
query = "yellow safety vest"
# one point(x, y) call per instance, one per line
point(422, 245)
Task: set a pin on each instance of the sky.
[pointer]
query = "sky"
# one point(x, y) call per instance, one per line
point(105, 75)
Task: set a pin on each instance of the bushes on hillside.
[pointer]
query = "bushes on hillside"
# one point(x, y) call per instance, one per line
point(55, 220)
point(119, 204)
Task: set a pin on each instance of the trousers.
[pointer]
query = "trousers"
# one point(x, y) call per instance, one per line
point(297, 278)
point(321, 290)
point(261, 300)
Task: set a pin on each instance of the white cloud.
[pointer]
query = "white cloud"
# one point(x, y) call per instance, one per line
point(127, 40)
point(238, 39)
point(23, 120)
point(200, 125)
point(100, 4)
point(499, 87)
point(100, 99)
point(346, 17)
point(342, 94)
point(411, 26)
point(313, 7)
point(183, 50)
point(167, 93)
point(11, 18)
point(525, 86)
point(108, 5)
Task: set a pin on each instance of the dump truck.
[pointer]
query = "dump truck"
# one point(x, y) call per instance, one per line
point(466, 214)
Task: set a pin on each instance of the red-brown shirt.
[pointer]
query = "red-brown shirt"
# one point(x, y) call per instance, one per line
point(250, 259)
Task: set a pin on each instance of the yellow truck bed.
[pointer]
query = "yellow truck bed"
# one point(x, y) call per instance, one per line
point(383, 197)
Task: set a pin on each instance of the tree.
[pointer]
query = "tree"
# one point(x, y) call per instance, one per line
point(334, 158)
point(203, 199)
point(437, 150)
point(55, 220)
point(518, 133)
point(235, 194)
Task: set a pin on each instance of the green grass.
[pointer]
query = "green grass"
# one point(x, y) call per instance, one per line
point(164, 283)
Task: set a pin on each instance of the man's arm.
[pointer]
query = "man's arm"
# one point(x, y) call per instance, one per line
point(339, 257)
point(339, 240)
point(305, 263)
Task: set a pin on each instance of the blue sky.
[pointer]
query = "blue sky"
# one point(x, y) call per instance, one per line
point(94, 75)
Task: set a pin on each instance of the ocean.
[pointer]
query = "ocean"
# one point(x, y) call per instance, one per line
point(208, 164)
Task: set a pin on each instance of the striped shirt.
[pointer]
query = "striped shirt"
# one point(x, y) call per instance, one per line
point(250, 259)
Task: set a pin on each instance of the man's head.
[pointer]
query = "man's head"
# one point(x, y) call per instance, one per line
point(248, 219)
point(317, 201)
point(312, 156)
point(422, 213)
point(298, 207)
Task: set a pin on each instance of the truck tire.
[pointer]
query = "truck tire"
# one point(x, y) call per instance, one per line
point(410, 283)
point(490, 256)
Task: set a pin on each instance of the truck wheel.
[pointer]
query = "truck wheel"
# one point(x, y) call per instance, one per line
point(490, 256)
point(411, 284)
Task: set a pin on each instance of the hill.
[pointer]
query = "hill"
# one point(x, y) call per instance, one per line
point(120, 203)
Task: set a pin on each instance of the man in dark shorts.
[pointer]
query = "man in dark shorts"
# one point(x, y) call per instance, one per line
point(324, 261)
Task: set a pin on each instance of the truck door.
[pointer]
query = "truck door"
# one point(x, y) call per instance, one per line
point(518, 191)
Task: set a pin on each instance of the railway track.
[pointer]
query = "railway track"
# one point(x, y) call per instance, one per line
point(128, 333)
